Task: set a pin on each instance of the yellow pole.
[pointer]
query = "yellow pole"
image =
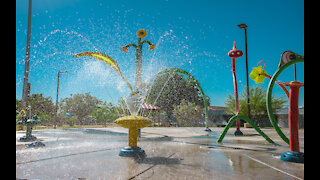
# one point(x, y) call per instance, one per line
point(133, 136)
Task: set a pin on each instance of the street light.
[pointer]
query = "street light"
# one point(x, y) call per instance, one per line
point(244, 26)
point(55, 118)
point(141, 34)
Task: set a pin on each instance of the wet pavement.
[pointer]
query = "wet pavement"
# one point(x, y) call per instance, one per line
point(172, 153)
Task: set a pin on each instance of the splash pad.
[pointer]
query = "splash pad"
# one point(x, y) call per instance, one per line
point(78, 154)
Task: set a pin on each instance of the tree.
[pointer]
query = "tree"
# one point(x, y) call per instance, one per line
point(80, 105)
point(106, 113)
point(188, 114)
point(45, 118)
point(258, 107)
point(18, 106)
point(71, 120)
point(40, 104)
point(169, 89)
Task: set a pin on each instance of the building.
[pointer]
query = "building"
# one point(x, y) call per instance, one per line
point(218, 117)
point(282, 117)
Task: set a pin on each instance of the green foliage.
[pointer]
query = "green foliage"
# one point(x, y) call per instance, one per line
point(80, 105)
point(258, 107)
point(172, 88)
point(18, 106)
point(44, 118)
point(40, 104)
point(188, 114)
point(106, 113)
point(83, 108)
point(71, 120)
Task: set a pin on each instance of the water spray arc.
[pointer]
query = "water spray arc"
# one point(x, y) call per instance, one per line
point(197, 84)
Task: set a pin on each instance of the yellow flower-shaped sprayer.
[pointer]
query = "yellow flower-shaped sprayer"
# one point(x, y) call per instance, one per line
point(142, 33)
point(256, 74)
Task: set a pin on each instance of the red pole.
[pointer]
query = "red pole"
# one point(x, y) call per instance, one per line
point(235, 53)
point(235, 92)
point(293, 115)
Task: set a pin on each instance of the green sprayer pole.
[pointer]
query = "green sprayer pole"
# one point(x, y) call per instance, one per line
point(233, 118)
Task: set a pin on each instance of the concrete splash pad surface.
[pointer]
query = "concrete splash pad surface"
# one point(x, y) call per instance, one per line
point(172, 153)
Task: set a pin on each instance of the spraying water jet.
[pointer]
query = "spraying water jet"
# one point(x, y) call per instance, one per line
point(133, 122)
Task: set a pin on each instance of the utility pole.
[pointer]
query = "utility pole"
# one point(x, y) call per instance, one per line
point(26, 85)
point(55, 118)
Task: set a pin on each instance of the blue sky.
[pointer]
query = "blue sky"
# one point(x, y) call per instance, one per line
point(194, 35)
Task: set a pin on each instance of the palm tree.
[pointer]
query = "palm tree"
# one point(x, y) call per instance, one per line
point(258, 107)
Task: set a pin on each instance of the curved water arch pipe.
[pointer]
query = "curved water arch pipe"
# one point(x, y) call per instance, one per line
point(171, 70)
point(269, 97)
point(233, 118)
